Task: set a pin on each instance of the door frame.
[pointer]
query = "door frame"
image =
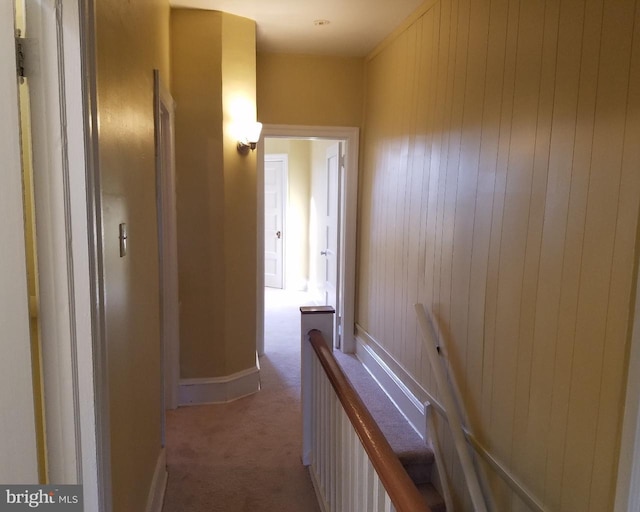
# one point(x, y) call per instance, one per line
point(285, 204)
point(348, 218)
point(69, 243)
point(167, 244)
point(628, 484)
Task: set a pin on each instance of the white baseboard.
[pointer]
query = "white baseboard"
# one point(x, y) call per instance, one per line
point(155, 498)
point(219, 389)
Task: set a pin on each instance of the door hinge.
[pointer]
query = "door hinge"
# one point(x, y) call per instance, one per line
point(20, 55)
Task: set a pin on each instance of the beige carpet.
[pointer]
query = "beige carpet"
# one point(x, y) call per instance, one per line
point(245, 456)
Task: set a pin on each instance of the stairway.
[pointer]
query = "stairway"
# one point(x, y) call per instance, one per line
point(415, 456)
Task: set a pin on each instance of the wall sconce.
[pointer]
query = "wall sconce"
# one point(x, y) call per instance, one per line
point(250, 138)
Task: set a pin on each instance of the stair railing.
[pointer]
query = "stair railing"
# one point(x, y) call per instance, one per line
point(352, 465)
point(452, 414)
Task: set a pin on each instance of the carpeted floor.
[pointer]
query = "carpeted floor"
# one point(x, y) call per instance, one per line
point(245, 456)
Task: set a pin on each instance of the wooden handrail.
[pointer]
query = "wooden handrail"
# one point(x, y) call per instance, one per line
point(400, 488)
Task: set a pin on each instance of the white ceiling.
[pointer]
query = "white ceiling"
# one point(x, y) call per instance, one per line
point(287, 26)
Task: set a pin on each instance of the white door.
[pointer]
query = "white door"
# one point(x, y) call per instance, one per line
point(330, 248)
point(275, 169)
point(18, 437)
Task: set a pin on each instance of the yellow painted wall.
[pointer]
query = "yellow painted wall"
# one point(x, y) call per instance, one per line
point(500, 187)
point(310, 89)
point(297, 212)
point(197, 91)
point(213, 83)
point(132, 39)
point(241, 189)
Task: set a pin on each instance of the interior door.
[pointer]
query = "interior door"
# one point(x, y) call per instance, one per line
point(18, 440)
point(275, 167)
point(330, 229)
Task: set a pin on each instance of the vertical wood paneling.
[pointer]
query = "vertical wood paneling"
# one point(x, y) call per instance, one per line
point(500, 187)
point(528, 441)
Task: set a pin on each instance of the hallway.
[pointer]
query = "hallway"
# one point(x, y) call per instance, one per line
point(245, 455)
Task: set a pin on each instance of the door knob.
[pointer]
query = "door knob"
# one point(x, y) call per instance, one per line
point(324, 253)
point(278, 234)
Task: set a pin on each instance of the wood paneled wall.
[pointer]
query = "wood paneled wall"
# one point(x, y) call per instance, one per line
point(501, 188)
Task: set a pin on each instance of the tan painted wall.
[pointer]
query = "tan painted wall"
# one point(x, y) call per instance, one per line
point(501, 188)
point(309, 90)
point(297, 212)
point(199, 187)
point(132, 39)
point(241, 189)
point(213, 83)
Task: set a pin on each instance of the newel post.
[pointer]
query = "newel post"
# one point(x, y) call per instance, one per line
point(312, 318)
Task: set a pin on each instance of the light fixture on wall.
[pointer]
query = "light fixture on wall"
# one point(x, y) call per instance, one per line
point(249, 138)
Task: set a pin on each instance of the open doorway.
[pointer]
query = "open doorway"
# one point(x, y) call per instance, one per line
point(301, 243)
point(306, 225)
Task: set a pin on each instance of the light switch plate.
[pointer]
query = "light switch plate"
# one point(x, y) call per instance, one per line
point(123, 239)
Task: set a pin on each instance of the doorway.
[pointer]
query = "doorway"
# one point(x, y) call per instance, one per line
point(318, 235)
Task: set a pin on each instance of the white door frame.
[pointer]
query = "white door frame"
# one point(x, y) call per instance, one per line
point(348, 205)
point(167, 244)
point(285, 200)
point(68, 237)
point(628, 486)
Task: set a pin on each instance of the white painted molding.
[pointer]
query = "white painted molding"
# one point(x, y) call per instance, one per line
point(628, 485)
point(215, 390)
point(155, 498)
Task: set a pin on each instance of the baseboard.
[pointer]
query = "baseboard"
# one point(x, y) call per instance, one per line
point(324, 506)
point(219, 389)
point(401, 388)
point(155, 499)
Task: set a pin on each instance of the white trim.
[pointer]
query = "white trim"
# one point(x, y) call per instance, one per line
point(155, 498)
point(63, 247)
point(52, 193)
point(628, 486)
point(348, 228)
point(84, 363)
point(92, 357)
point(219, 389)
point(167, 243)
